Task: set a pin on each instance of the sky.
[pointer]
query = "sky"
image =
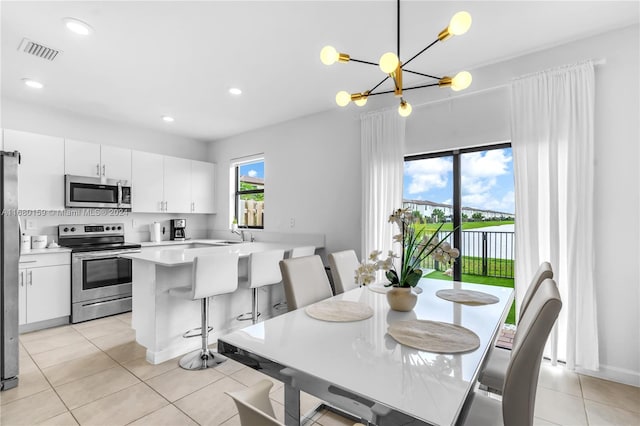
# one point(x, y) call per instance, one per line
point(252, 169)
point(487, 180)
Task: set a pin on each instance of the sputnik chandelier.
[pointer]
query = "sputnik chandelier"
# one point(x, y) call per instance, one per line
point(391, 65)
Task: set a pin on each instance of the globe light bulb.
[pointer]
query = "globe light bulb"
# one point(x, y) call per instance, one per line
point(461, 81)
point(460, 23)
point(389, 62)
point(361, 102)
point(328, 55)
point(343, 98)
point(404, 109)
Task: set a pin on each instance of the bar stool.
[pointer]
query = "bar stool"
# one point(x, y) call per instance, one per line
point(295, 252)
point(212, 275)
point(263, 270)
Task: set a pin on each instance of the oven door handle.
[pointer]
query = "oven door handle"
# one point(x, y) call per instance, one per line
point(104, 255)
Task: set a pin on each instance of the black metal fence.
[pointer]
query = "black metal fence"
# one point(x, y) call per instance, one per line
point(484, 253)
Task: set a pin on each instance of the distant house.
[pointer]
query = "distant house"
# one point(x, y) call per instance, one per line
point(426, 208)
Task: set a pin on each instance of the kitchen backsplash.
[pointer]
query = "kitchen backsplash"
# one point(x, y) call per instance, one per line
point(136, 225)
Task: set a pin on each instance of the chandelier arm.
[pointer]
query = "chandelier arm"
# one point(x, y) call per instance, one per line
point(404, 89)
point(378, 85)
point(424, 75)
point(363, 62)
point(420, 53)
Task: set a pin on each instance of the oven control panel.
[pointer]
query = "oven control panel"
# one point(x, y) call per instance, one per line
point(91, 230)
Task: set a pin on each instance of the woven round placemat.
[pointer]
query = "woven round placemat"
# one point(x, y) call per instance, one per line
point(434, 336)
point(467, 297)
point(339, 311)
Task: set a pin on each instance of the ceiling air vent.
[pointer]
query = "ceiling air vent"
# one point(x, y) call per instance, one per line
point(36, 49)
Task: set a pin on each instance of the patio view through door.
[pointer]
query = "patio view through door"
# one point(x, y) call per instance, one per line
point(470, 193)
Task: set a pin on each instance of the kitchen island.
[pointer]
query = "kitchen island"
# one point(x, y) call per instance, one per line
point(160, 320)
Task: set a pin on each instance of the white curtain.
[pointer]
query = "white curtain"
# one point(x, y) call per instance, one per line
point(382, 154)
point(552, 143)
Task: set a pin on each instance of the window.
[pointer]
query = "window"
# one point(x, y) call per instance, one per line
point(249, 194)
point(471, 191)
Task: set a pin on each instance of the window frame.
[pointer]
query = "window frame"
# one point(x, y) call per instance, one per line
point(238, 193)
point(457, 189)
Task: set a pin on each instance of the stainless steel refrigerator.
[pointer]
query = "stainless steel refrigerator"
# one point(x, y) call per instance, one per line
point(9, 256)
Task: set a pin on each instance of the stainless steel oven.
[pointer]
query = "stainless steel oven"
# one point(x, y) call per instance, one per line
point(81, 191)
point(100, 278)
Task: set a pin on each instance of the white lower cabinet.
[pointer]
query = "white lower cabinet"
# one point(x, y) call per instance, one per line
point(45, 287)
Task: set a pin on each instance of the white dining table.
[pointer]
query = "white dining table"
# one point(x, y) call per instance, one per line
point(381, 380)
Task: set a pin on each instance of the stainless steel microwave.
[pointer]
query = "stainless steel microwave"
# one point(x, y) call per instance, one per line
point(81, 191)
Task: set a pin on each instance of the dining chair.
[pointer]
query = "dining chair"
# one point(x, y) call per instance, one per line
point(212, 275)
point(262, 270)
point(296, 252)
point(254, 406)
point(343, 270)
point(492, 375)
point(521, 378)
point(305, 281)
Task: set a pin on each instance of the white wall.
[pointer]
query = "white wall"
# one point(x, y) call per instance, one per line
point(19, 115)
point(312, 174)
point(313, 170)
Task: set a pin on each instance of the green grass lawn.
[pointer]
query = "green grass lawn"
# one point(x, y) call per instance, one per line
point(479, 279)
point(466, 226)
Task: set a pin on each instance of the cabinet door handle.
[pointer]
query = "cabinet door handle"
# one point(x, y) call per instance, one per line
point(103, 169)
point(166, 206)
point(98, 169)
point(30, 277)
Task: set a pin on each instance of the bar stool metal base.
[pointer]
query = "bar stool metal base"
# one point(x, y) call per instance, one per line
point(200, 360)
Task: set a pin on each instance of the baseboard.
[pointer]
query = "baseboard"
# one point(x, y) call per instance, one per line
point(614, 374)
point(41, 325)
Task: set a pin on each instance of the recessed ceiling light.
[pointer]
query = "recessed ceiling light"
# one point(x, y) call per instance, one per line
point(168, 119)
point(32, 83)
point(235, 91)
point(77, 26)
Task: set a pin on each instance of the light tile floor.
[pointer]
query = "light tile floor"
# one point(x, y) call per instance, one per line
point(95, 373)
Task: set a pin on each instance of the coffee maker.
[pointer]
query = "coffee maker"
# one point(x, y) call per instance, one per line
point(176, 229)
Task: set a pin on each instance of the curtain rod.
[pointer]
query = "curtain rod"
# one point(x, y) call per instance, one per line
point(601, 61)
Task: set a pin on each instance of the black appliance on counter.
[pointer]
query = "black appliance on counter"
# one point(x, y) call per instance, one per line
point(177, 229)
point(100, 278)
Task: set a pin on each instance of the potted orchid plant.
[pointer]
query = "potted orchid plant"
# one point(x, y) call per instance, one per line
point(417, 245)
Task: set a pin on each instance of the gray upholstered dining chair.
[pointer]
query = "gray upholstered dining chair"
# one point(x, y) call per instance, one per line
point(343, 270)
point(254, 406)
point(296, 252)
point(492, 375)
point(521, 379)
point(305, 281)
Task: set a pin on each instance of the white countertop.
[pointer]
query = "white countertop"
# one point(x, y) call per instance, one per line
point(168, 256)
point(46, 251)
point(189, 241)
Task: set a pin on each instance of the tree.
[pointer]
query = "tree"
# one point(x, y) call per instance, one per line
point(465, 217)
point(477, 216)
point(438, 215)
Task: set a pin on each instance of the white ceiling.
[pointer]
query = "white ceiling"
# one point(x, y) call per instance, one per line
point(179, 58)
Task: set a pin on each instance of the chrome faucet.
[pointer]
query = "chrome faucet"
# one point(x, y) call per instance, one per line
point(243, 234)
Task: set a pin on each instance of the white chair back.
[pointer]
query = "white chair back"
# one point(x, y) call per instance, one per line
point(254, 406)
point(521, 379)
point(214, 274)
point(264, 269)
point(305, 281)
point(343, 270)
point(544, 272)
point(301, 252)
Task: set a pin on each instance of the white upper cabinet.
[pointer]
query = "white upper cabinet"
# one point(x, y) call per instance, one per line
point(147, 182)
point(202, 178)
point(41, 170)
point(171, 184)
point(92, 159)
point(177, 185)
point(116, 162)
